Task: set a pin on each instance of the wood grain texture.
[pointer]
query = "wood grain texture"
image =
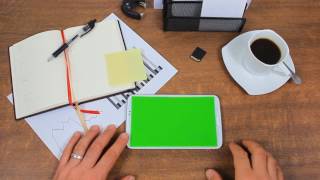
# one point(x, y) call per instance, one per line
point(286, 122)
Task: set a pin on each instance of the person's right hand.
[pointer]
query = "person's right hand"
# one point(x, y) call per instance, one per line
point(260, 166)
point(93, 162)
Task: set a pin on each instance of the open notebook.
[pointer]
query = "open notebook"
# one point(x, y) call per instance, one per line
point(39, 85)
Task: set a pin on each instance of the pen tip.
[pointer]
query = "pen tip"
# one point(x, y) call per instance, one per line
point(50, 58)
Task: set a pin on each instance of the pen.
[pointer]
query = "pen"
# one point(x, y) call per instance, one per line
point(86, 29)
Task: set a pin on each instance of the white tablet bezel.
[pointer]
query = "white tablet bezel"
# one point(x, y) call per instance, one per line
point(218, 123)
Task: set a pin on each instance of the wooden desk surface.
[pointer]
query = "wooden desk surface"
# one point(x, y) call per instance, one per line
point(286, 122)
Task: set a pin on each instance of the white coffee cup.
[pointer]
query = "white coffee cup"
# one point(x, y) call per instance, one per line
point(256, 66)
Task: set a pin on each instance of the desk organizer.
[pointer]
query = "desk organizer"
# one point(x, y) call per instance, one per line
point(186, 16)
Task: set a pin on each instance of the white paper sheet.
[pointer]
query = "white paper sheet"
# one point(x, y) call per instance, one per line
point(55, 128)
point(223, 8)
point(248, 3)
point(157, 4)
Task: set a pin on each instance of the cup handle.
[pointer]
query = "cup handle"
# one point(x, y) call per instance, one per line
point(282, 70)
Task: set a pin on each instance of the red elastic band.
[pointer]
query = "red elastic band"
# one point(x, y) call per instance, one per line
point(68, 80)
point(90, 111)
point(67, 69)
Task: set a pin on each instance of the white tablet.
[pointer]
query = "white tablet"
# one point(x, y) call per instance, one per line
point(174, 122)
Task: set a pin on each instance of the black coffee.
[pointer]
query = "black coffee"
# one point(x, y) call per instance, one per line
point(266, 51)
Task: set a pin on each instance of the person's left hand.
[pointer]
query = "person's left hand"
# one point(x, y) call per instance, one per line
point(91, 163)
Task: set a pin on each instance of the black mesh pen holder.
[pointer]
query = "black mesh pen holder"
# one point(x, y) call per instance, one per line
point(186, 16)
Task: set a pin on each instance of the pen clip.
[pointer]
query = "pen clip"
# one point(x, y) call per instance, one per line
point(86, 29)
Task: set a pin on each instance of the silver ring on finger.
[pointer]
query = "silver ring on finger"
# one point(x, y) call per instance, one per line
point(76, 156)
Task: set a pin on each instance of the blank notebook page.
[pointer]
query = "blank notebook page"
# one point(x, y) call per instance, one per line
point(37, 84)
point(87, 59)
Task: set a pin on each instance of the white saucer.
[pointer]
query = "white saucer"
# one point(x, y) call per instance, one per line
point(232, 55)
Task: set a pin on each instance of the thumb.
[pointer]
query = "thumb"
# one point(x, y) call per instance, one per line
point(128, 178)
point(212, 175)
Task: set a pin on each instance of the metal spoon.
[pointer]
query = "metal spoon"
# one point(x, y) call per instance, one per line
point(294, 76)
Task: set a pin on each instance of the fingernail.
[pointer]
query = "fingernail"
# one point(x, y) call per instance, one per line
point(124, 135)
point(131, 178)
point(112, 126)
point(95, 127)
point(209, 173)
point(77, 133)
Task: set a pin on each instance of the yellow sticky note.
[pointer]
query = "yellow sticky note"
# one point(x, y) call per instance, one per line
point(125, 67)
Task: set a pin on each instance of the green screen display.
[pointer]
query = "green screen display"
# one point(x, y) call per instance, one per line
point(160, 121)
